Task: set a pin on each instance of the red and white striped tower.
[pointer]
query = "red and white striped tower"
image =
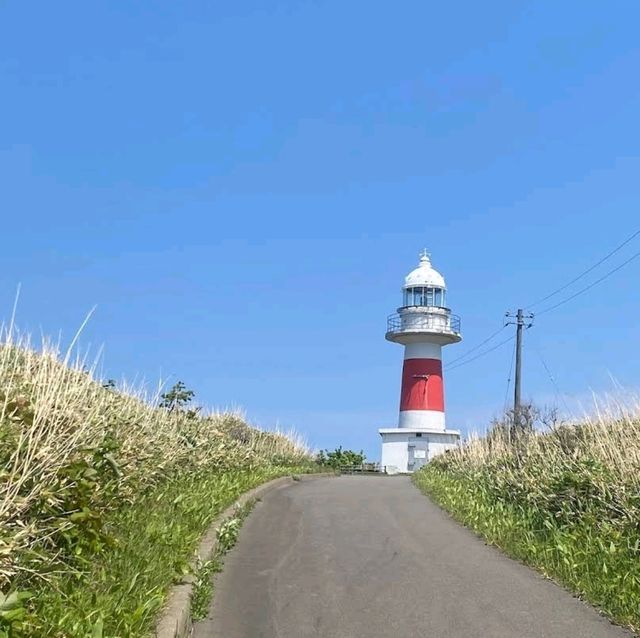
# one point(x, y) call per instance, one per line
point(423, 324)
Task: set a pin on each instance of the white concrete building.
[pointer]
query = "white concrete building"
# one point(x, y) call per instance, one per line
point(423, 324)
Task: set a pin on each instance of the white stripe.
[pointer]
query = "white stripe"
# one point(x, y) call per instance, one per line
point(423, 350)
point(422, 419)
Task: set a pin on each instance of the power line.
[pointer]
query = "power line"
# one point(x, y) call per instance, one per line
point(481, 354)
point(591, 285)
point(482, 343)
point(586, 272)
point(464, 359)
point(559, 394)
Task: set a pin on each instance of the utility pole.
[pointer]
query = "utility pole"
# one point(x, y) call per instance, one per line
point(517, 391)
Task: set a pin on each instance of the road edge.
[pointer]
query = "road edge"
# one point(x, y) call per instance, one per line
point(175, 620)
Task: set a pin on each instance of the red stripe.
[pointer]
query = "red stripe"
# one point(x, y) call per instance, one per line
point(422, 387)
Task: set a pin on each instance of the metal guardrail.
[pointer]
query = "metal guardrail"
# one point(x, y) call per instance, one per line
point(438, 322)
point(365, 468)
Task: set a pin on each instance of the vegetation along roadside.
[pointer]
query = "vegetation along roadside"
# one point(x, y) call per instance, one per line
point(105, 493)
point(566, 501)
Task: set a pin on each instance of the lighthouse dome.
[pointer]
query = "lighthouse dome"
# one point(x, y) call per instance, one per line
point(424, 275)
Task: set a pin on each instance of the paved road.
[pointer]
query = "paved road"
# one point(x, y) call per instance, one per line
point(370, 557)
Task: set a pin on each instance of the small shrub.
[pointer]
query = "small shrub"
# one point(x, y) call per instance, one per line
point(339, 458)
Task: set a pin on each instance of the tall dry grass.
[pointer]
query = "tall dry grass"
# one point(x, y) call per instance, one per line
point(566, 500)
point(72, 450)
point(609, 433)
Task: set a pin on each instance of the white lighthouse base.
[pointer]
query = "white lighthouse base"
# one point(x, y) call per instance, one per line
point(406, 450)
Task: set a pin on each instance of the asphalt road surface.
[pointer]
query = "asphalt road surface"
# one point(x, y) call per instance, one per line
point(371, 557)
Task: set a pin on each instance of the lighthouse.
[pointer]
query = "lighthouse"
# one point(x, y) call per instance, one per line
point(423, 325)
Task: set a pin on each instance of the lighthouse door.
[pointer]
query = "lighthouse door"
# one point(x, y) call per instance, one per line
point(417, 457)
point(411, 458)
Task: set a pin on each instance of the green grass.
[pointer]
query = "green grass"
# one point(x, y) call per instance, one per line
point(105, 493)
point(572, 521)
point(153, 545)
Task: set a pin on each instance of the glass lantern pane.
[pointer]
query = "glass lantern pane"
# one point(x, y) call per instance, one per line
point(429, 300)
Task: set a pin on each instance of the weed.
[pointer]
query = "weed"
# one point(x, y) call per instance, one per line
point(202, 592)
point(13, 612)
point(226, 536)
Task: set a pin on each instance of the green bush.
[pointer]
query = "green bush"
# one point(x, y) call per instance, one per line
point(339, 458)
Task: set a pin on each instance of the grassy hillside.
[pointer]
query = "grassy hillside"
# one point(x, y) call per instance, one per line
point(104, 497)
point(566, 501)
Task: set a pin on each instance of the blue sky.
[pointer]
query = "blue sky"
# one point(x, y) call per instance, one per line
point(240, 188)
